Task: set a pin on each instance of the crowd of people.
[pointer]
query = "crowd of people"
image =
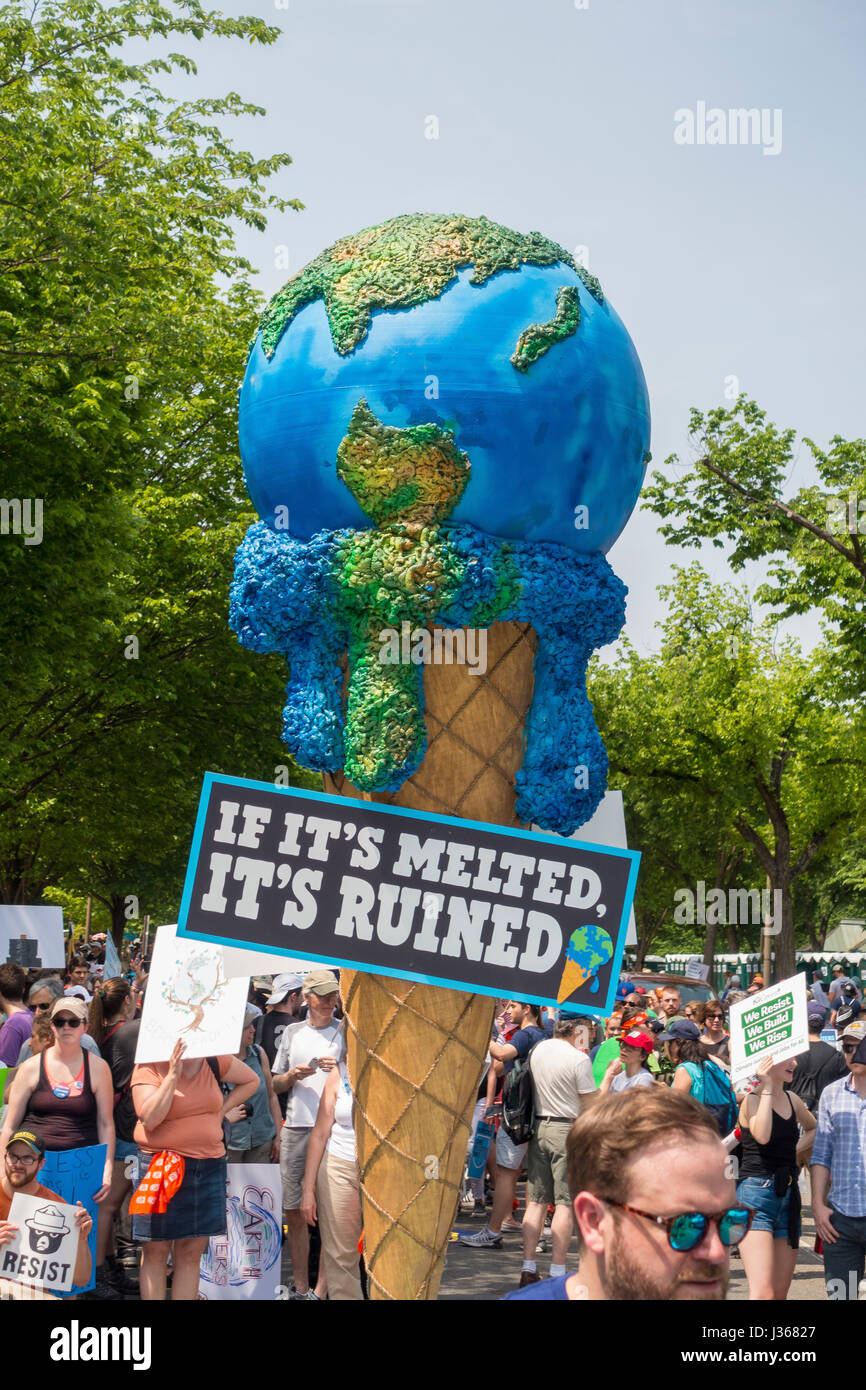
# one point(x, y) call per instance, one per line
point(629, 1134)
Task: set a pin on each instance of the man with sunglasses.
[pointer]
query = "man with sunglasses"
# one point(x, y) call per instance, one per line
point(655, 1208)
point(839, 1161)
point(25, 1155)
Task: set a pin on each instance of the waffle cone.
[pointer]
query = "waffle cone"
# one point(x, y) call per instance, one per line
point(573, 976)
point(415, 1052)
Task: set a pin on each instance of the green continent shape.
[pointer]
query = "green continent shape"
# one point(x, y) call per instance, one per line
point(538, 337)
point(400, 263)
point(415, 474)
point(590, 947)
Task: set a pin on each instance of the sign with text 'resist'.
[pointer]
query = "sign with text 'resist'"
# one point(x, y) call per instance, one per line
point(44, 1248)
point(770, 1024)
point(379, 888)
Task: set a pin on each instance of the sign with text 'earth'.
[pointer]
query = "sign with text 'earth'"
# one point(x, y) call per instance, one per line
point(772, 1023)
point(378, 888)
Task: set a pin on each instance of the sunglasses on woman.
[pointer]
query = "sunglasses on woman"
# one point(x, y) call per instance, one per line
point(65, 1022)
point(686, 1231)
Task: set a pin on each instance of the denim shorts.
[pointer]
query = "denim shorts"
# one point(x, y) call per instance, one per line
point(198, 1208)
point(125, 1148)
point(771, 1212)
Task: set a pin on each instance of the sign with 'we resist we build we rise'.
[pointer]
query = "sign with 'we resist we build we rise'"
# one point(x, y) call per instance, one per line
point(456, 903)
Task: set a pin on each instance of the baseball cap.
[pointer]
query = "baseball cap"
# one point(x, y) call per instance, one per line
point(69, 1004)
point(855, 1030)
point(637, 1038)
point(623, 991)
point(757, 979)
point(681, 1028)
point(816, 1015)
point(321, 982)
point(76, 992)
point(29, 1137)
point(283, 986)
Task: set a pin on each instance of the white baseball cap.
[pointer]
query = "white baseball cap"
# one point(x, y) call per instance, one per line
point(283, 986)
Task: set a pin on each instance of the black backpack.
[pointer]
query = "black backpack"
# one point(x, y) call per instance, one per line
point(518, 1100)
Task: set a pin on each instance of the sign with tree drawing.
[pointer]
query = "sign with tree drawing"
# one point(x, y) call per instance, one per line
point(189, 996)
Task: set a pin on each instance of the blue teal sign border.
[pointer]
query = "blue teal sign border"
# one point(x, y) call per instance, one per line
point(602, 1008)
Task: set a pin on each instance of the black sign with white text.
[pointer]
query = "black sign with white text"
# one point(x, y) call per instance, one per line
point(449, 902)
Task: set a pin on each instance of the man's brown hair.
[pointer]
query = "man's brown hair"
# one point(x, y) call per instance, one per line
point(619, 1128)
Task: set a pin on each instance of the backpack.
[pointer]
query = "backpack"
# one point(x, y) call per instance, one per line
point(518, 1100)
point(215, 1068)
point(710, 1085)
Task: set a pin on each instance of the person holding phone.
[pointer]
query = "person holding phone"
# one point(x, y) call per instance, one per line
point(308, 1051)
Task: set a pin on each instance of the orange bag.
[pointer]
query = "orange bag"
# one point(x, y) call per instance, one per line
point(159, 1184)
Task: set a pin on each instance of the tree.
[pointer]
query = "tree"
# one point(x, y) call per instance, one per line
point(125, 311)
point(814, 540)
point(727, 712)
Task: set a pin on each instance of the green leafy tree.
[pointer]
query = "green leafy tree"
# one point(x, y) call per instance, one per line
point(725, 711)
point(125, 311)
point(814, 540)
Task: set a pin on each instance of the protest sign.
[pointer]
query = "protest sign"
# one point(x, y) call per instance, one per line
point(245, 1262)
point(249, 963)
point(113, 967)
point(43, 1249)
point(76, 1176)
point(32, 937)
point(772, 1023)
point(447, 902)
point(189, 996)
point(696, 970)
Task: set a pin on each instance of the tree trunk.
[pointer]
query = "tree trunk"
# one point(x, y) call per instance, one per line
point(118, 920)
point(783, 931)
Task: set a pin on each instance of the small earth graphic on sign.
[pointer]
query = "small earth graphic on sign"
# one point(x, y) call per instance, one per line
point(588, 949)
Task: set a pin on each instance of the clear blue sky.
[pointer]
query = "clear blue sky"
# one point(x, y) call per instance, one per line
point(721, 260)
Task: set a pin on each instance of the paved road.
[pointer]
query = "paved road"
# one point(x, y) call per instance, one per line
point(488, 1274)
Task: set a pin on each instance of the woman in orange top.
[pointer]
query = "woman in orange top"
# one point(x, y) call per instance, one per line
point(180, 1108)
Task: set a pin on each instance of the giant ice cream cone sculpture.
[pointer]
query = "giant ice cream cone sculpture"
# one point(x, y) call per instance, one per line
point(416, 1051)
point(444, 426)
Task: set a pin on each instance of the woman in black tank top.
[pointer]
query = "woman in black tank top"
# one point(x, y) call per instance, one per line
point(65, 1093)
point(770, 1120)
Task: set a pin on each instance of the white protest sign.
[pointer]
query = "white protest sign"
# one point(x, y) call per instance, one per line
point(696, 970)
point(32, 937)
point(245, 1262)
point(189, 996)
point(237, 961)
point(772, 1023)
point(43, 1250)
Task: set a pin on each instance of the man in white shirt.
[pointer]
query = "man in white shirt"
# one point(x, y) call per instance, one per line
point(307, 1052)
point(563, 1087)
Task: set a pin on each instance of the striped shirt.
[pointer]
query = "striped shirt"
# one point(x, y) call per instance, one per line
point(840, 1145)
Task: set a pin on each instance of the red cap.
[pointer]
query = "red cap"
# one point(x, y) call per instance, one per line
point(637, 1038)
